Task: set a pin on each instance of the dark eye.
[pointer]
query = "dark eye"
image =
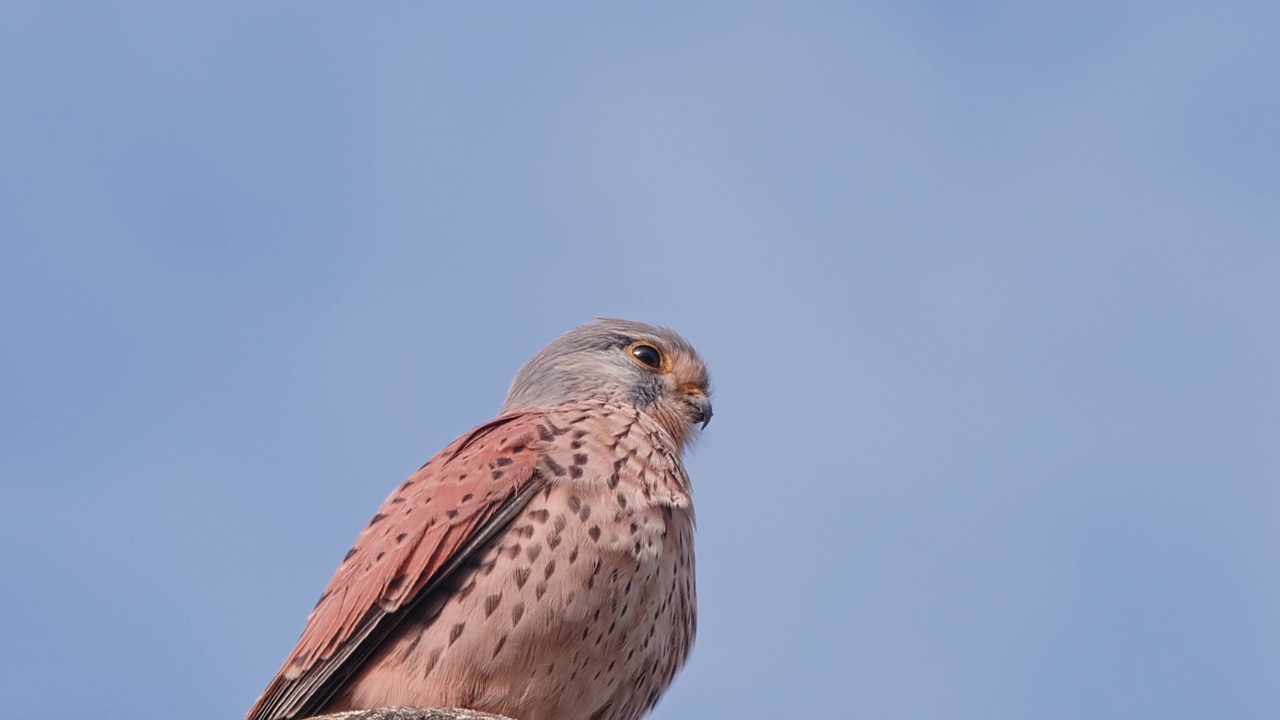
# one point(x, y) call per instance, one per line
point(648, 356)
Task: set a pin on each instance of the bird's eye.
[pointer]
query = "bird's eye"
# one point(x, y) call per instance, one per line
point(647, 355)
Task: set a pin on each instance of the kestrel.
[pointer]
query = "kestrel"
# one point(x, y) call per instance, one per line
point(539, 567)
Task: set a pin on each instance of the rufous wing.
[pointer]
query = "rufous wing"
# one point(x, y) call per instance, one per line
point(431, 524)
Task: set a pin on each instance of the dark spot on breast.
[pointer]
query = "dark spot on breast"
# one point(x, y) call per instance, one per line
point(522, 576)
point(497, 474)
point(540, 590)
point(554, 467)
point(513, 552)
point(622, 500)
point(491, 603)
point(397, 582)
point(379, 557)
point(451, 513)
point(467, 497)
point(501, 641)
point(377, 518)
point(350, 553)
point(573, 555)
point(467, 590)
point(540, 516)
point(594, 532)
point(533, 551)
point(503, 461)
point(575, 472)
point(579, 458)
point(397, 500)
point(408, 651)
point(612, 482)
point(551, 568)
point(400, 538)
point(517, 612)
point(456, 632)
point(407, 483)
point(585, 512)
point(553, 541)
point(574, 503)
point(432, 659)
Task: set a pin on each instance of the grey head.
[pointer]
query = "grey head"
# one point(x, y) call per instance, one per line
point(619, 361)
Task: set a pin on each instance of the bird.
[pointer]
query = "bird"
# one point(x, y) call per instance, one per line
point(541, 566)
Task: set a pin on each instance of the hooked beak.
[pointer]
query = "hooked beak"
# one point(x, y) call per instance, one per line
point(701, 406)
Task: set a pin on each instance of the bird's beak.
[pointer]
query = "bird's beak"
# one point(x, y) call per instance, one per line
point(701, 405)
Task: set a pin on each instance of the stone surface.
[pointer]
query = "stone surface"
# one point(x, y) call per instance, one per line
point(407, 713)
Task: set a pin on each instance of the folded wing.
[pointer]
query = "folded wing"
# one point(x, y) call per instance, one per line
point(429, 526)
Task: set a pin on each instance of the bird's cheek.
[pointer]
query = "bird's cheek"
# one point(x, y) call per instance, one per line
point(673, 416)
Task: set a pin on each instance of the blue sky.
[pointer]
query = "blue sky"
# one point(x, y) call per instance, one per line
point(989, 293)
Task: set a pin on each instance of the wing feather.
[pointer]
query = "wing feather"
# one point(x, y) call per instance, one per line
point(430, 525)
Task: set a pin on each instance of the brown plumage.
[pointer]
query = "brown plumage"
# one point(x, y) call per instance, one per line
point(539, 567)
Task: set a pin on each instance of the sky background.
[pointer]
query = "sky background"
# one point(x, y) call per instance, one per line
point(990, 293)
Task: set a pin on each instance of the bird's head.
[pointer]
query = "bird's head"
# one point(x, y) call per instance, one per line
point(622, 361)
